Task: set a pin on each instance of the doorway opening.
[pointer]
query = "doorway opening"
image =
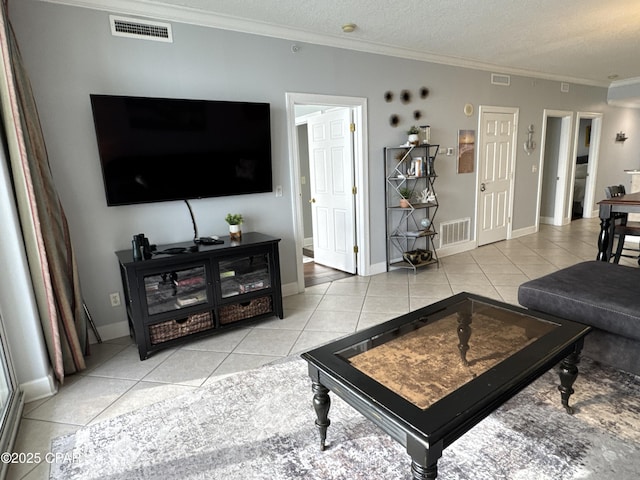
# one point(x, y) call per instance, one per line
point(586, 147)
point(555, 151)
point(354, 218)
point(566, 186)
point(581, 167)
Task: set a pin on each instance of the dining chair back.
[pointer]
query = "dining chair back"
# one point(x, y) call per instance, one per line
point(622, 227)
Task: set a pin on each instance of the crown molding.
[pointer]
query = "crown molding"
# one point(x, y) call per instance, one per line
point(181, 14)
point(626, 82)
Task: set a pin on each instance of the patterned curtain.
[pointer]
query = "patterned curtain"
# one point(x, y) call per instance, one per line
point(42, 220)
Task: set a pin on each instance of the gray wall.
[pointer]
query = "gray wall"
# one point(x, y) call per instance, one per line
point(70, 53)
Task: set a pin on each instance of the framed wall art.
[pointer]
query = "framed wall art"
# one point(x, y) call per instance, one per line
point(466, 150)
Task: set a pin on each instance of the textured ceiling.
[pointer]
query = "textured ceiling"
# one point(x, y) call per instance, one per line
point(581, 41)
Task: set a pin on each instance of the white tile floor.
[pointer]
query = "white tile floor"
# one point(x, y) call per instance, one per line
point(117, 382)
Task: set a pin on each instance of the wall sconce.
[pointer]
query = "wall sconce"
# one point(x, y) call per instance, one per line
point(529, 145)
point(621, 137)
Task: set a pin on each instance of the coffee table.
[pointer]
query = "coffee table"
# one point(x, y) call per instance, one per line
point(427, 377)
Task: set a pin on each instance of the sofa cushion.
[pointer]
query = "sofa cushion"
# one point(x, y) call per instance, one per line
point(603, 295)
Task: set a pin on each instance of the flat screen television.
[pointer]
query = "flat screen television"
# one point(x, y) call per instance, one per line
point(160, 149)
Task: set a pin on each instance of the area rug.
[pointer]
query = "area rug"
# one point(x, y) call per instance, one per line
point(259, 424)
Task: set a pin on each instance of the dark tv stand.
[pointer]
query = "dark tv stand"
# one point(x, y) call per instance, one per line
point(171, 299)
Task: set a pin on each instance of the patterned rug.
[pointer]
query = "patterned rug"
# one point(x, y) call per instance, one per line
point(260, 425)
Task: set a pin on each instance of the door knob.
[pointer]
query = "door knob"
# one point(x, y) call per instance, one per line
point(313, 200)
point(483, 187)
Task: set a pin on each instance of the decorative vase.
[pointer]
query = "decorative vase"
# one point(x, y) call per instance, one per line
point(414, 139)
point(404, 203)
point(235, 232)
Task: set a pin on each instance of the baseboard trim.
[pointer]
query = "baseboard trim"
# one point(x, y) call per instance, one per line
point(43, 387)
point(110, 331)
point(457, 248)
point(523, 231)
point(290, 289)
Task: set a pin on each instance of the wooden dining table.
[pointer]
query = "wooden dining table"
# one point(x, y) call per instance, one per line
point(629, 203)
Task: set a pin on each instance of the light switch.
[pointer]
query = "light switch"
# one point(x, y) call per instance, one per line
point(278, 190)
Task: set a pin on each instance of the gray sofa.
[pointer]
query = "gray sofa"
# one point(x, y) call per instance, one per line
point(603, 295)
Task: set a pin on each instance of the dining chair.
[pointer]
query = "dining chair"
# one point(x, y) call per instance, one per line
point(622, 227)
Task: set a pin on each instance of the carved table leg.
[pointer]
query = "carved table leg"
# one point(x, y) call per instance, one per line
point(604, 240)
point(568, 374)
point(321, 404)
point(419, 472)
point(464, 333)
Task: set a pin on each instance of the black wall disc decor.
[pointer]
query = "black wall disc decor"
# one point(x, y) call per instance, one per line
point(424, 92)
point(417, 114)
point(405, 96)
point(394, 120)
point(388, 96)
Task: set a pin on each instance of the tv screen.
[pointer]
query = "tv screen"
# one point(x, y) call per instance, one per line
point(159, 149)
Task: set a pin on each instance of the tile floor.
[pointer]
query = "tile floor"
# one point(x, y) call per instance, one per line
point(116, 381)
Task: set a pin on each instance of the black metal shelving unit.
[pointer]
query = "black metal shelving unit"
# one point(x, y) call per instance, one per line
point(410, 229)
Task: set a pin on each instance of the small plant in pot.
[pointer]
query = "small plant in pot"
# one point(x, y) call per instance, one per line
point(405, 195)
point(234, 220)
point(414, 135)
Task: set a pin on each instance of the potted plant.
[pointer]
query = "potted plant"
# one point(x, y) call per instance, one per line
point(234, 220)
point(414, 135)
point(405, 195)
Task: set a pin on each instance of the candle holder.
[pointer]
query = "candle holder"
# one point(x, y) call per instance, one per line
point(426, 133)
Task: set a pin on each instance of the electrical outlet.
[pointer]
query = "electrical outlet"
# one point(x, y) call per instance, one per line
point(115, 299)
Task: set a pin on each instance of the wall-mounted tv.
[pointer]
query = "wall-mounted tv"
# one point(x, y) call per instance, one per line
point(159, 149)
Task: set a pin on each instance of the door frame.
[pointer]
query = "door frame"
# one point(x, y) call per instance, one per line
point(515, 112)
point(594, 157)
point(331, 200)
point(563, 174)
point(361, 175)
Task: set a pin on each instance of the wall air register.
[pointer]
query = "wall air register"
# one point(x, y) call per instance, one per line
point(141, 29)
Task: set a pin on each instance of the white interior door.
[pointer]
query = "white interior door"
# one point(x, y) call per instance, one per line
point(495, 177)
point(332, 196)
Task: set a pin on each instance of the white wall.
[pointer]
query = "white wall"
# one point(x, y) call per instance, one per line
point(70, 53)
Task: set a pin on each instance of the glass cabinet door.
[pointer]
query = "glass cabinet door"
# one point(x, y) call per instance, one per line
point(175, 289)
point(244, 274)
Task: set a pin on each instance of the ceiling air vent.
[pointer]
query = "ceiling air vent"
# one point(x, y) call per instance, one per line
point(500, 79)
point(144, 29)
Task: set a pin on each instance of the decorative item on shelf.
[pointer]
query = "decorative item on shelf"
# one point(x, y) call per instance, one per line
point(529, 145)
point(417, 167)
point(417, 256)
point(426, 133)
point(425, 223)
point(414, 135)
point(621, 137)
point(234, 221)
point(424, 195)
point(405, 195)
point(430, 170)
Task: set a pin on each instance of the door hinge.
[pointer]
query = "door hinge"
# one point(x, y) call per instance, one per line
point(352, 127)
point(354, 190)
point(355, 249)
